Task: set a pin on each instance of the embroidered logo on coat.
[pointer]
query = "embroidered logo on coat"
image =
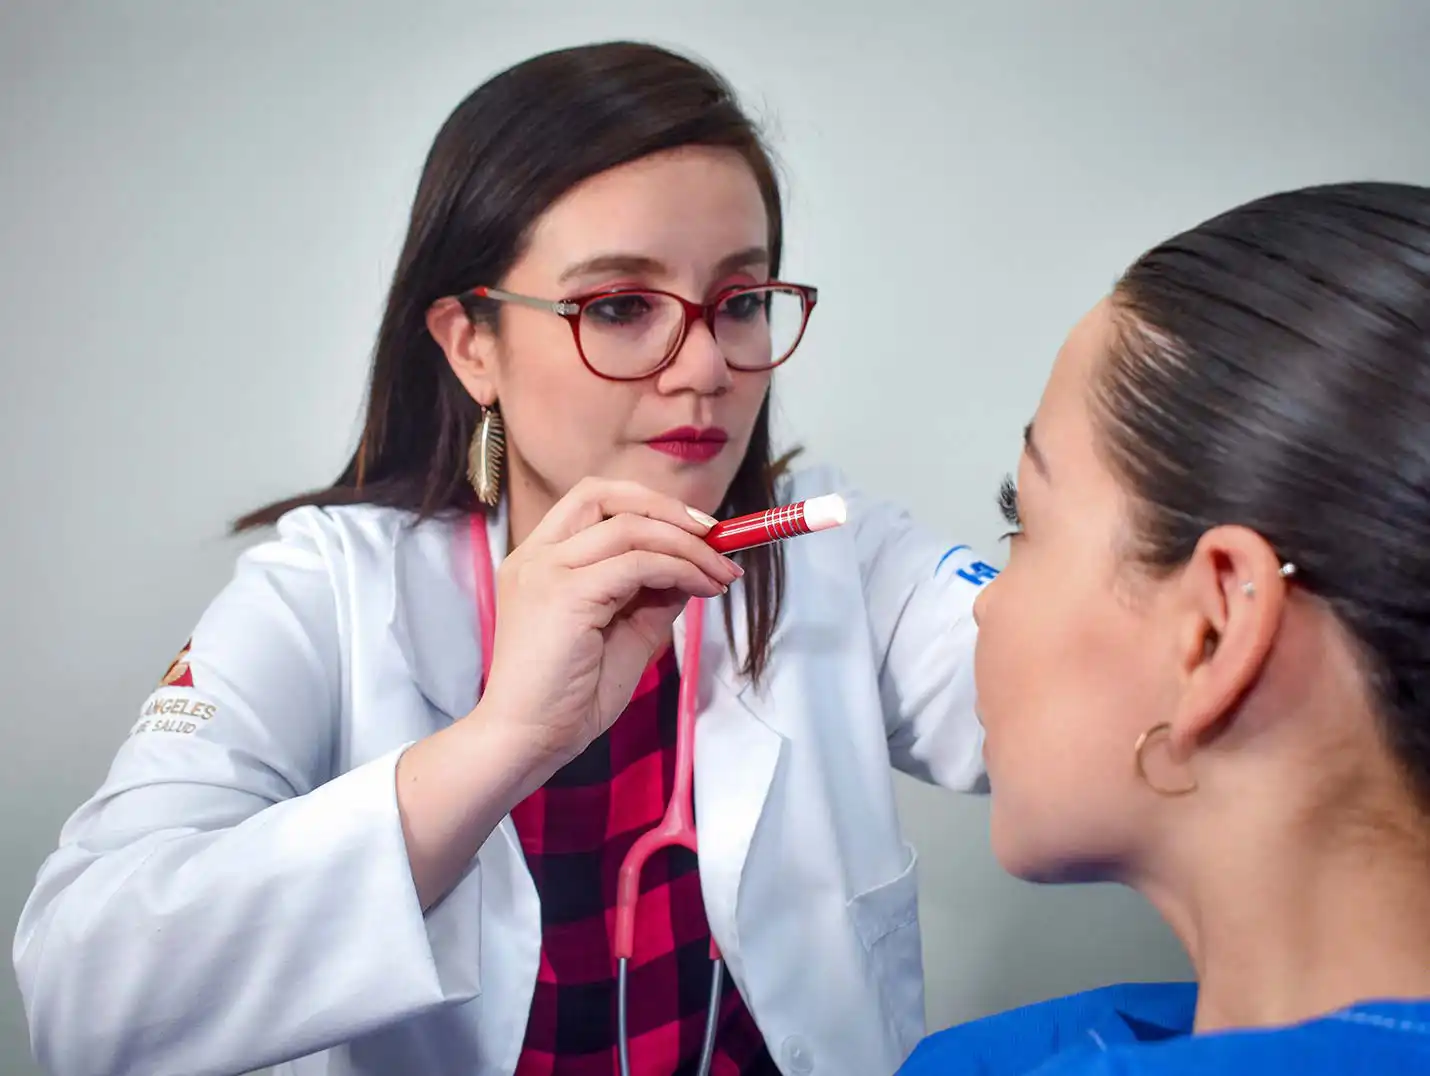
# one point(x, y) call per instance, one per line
point(179, 674)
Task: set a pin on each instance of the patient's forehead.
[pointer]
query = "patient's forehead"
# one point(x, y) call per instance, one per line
point(1062, 427)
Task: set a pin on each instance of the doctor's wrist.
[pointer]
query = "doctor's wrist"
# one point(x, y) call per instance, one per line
point(527, 757)
point(454, 788)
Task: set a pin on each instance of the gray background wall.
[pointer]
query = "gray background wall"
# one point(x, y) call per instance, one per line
point(200, 203)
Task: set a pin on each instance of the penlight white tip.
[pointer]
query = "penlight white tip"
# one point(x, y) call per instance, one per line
point(822, 513)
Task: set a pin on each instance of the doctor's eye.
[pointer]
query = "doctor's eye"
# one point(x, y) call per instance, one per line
point(1008, 506)
point(621, 311)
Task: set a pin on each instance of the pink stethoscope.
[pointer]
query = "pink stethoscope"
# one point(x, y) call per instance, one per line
point(677, 828)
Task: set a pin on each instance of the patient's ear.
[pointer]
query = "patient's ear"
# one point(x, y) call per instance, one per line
point(470, 347)
point(1230, 598)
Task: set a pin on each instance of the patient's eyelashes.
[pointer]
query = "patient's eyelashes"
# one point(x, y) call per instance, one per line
point(1008, 505)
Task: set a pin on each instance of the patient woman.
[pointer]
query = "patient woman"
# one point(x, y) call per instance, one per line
point(1219, 591)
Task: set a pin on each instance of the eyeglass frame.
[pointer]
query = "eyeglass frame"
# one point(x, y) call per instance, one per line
point(570, 310)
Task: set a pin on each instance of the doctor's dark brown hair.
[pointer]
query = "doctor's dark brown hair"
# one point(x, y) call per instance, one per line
point(1272, 369)
point(504, 155)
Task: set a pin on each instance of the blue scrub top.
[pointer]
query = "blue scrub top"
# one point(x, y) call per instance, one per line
point(1144, 1029)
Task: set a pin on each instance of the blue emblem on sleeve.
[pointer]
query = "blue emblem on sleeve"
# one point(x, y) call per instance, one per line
point(976, 571)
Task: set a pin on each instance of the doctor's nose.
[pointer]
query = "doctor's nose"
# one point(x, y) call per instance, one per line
point(699, 364)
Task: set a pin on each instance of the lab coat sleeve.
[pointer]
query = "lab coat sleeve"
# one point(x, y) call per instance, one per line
point(223, 902)
point(919, 591)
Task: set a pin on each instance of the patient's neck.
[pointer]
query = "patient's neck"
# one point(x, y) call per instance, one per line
point(1285, 921)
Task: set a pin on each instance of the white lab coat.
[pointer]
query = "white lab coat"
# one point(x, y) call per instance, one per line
point(237, 893)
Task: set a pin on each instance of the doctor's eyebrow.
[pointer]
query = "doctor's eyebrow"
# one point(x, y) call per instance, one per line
point(1030, 446)
point(640, 265)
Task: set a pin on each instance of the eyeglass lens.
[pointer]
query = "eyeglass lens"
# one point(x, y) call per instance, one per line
point(634, 333)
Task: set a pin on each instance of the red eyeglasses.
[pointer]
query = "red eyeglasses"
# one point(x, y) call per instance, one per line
point(631, 333)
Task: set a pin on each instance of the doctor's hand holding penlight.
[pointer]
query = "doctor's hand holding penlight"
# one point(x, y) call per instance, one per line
point(584, 604)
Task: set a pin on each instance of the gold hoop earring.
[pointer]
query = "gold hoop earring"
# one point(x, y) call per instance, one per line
point(484, 457)
point(1142, 742)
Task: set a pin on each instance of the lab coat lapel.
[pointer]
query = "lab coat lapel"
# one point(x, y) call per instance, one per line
point(736, 753)
point(434, 610)
point(434, 622)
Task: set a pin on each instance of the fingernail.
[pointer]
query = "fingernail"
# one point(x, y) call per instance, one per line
point(700, 517)
point(735, 568)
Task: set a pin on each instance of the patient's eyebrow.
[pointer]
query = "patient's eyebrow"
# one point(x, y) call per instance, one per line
point(1030, 446)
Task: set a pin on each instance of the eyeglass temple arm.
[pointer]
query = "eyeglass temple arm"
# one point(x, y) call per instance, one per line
point(562, 308)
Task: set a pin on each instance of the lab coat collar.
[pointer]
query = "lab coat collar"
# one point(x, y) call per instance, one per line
point(737, 745)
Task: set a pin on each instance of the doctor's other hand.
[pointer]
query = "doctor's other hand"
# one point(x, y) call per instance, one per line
point(583, 605)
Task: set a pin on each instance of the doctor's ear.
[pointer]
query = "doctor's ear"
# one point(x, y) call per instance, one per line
point(1231, 596)
point(470, 346)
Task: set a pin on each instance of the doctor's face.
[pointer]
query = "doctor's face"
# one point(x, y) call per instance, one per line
point(1072, 657)
point(689, 221)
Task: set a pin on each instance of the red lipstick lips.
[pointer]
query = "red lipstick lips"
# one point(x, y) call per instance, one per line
point(691, 444)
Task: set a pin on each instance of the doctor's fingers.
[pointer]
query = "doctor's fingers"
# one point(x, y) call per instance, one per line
point(595, 499)
point(625, 533)
point(613, 582)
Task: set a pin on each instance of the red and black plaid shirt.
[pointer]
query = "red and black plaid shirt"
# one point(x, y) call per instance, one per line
point(575, 831)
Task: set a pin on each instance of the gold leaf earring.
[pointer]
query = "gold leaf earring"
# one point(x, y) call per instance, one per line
point(484, 457)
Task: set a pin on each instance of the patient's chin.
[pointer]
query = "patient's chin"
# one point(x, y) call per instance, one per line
point(1048, 853)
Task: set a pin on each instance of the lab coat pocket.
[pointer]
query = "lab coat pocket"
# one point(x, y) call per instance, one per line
point(887, 921)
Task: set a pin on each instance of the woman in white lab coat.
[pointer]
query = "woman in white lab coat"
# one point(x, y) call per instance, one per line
point(332, 844)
